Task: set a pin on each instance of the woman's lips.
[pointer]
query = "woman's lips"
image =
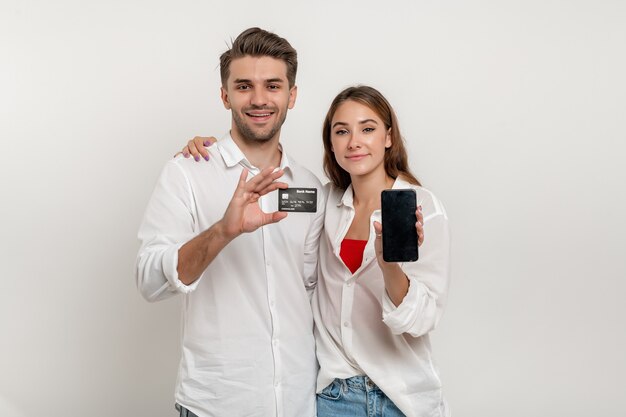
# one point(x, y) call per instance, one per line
point(356, 157)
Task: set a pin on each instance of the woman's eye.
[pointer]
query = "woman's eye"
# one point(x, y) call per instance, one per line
point(368, 129)
point(341, 132)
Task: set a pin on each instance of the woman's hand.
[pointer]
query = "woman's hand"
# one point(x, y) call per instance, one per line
point(378, 243)
point(396, 281)
point(196, 147)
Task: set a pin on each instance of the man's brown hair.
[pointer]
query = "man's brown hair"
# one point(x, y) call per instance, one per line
point(257, 42)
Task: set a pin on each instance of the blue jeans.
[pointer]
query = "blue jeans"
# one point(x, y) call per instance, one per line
point(353, 397)
point(183, 412)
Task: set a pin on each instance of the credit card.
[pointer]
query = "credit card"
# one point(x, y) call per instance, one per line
point(300, 200)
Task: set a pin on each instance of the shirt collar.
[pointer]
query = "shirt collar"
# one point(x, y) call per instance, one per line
point(232, 155)
point(347, 199)
point(348, 196)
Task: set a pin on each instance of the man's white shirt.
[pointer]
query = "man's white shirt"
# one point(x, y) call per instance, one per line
point(247, 340)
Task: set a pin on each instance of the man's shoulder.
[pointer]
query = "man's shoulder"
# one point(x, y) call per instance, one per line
point(303, 175)
point(332, 193)
point(191, 167)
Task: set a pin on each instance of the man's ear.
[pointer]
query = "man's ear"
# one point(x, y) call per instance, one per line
point(293, 93)
point(224, 95)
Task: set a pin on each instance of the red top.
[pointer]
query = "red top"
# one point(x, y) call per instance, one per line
point(351, 253)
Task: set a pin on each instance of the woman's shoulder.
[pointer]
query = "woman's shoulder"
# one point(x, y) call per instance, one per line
point(332, 192)
point(431, 204)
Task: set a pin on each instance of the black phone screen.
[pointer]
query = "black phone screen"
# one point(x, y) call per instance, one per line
point(398, 220)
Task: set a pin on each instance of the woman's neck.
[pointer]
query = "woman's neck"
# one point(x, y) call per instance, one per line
point(367, 189)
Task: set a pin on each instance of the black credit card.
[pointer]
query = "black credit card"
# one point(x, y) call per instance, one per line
point(301, 200)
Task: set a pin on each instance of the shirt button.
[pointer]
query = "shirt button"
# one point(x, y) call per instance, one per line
point(349, 284)
point(346, 324)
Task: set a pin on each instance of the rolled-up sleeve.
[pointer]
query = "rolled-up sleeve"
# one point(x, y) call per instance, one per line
point(429, 278)
point(168, 223)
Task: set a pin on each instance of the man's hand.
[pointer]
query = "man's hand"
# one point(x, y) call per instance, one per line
point(243, 214)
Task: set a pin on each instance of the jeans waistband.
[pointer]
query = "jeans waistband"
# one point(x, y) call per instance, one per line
point(362, 382)
point(183, 411)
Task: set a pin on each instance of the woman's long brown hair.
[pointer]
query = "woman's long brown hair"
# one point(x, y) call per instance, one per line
point(396, 159)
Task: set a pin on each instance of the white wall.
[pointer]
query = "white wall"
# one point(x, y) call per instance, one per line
point(514, 115)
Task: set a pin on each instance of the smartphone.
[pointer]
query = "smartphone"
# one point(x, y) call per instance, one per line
point(398, 220)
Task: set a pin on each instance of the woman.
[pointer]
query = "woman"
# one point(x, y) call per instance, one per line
point(373, 317)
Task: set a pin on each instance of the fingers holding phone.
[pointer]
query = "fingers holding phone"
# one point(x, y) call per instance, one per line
point(419, 225)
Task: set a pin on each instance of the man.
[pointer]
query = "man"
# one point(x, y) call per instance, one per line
point(243, 268)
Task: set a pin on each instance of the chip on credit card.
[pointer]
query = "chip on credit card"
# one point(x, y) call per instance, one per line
point(301, 200)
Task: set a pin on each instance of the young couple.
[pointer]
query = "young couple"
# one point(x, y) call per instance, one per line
point(245, 268)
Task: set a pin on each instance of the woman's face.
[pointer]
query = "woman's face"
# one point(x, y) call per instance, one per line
point(359, 139)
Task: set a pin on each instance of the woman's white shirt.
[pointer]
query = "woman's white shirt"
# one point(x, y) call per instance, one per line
point(358, 329)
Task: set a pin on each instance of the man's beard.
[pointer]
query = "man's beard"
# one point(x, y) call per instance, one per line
point(251, 135)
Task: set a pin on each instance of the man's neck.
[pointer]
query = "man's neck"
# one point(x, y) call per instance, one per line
point(260, 154)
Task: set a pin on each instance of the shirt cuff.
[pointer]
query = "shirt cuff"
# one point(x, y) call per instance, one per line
point(170, 269)
point(400, 319)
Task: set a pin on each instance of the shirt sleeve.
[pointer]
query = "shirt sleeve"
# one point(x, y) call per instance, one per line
point(168, 223)
point(429, 278)
point(312, 242)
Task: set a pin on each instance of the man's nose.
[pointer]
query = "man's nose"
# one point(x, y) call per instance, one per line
point(259, 97)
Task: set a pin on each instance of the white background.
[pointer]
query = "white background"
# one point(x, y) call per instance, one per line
point(514, 114)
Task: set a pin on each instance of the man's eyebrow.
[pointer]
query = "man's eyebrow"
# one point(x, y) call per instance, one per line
point(361, 122)
point(248, 81)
